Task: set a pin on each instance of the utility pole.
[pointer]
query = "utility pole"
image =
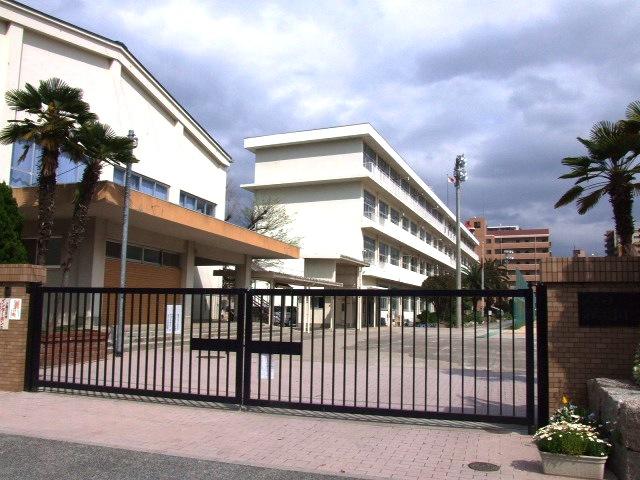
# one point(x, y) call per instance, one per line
point(119, 330)
point(459, 176)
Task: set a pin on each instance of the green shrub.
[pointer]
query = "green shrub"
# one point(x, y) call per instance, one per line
point(12, 249)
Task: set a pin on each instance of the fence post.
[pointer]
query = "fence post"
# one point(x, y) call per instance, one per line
point(34, 329)
point(542, 330)
point(530, 393)
point(246, 352)
point(240, 323)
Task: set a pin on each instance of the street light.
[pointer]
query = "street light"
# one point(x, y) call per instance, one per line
point(119, 331)
point(459, 176)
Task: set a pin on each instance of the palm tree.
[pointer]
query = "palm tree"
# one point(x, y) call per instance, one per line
point(496, 277)
point(609, 168)
point(54, 110)
point(101, 146)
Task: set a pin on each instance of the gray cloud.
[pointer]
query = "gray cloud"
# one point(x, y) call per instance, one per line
point(511, 88)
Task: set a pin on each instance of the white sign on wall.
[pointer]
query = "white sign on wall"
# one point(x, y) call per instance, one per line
point(173, 323)
point(15, 308)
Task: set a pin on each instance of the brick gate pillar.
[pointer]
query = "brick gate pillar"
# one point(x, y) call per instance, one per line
point(14, 281)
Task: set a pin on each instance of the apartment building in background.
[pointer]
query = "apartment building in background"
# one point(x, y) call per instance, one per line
point(177, 229)
point(612, 242)
point(363, 215)
point(517, 248)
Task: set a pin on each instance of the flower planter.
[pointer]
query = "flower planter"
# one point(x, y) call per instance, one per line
point(573, 465)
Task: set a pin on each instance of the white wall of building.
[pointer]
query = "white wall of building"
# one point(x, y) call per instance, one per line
point(172, 149)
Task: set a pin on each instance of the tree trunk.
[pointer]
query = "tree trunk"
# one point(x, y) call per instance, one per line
point(78, 227)
point(46, 201)
point(621, 199)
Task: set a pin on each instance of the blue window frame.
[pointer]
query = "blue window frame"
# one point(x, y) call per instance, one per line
point(24, 173)
point(197, 204)
point(142, 184)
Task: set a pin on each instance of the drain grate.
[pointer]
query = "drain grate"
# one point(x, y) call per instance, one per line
point(484, 466)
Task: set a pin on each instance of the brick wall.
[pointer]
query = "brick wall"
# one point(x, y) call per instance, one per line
point(576, 353)
point(14, 280)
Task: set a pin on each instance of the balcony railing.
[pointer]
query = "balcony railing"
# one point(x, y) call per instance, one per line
point(397, 191)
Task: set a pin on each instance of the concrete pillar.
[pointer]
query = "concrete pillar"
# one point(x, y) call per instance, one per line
point(243, 273)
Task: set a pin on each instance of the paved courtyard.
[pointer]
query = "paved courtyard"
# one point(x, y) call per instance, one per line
point(357, 446)
point(422, 369)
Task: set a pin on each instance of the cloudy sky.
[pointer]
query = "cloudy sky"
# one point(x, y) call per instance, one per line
point(509, 83)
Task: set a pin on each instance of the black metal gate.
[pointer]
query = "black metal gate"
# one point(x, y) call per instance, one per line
point(384, 352)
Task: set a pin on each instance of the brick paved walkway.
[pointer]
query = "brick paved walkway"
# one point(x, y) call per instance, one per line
point(364, 449)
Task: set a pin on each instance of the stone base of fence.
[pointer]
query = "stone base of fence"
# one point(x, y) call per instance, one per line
point(578, 352)
point(14, 282)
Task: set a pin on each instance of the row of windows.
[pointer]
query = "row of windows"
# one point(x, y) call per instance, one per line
point(24, 172)
point(144, 254)
point(520, 240)
point(390, 254)
point(499, 251)
point(372, 160)
point(142, 184)
point(388, 213)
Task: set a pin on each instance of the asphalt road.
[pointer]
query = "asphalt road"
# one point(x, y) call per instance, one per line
point(35, 459)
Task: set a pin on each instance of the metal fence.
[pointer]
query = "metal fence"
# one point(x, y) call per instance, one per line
point(391, 352)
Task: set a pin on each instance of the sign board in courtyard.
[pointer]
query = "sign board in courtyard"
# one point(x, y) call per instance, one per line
point(173, 319)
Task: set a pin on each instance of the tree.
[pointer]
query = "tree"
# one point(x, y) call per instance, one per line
point(269, 218)
point(101, 146)
point(609, 169)
point(443, 306)
point(496, 277)
point(54, 111)
point(11, 247)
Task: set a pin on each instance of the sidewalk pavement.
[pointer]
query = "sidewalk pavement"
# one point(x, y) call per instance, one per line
point(364, 447)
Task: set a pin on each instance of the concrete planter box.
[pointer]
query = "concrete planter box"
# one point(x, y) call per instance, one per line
point(573, 465)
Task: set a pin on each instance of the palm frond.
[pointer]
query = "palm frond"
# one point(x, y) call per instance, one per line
point(589, 201)
point(569, 196)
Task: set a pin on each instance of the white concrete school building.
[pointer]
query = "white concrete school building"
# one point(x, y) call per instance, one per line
point(364, 216)
point(177, 230)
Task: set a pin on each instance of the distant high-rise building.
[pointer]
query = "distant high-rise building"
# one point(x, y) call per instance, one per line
point(612, 242)
point(518, 248)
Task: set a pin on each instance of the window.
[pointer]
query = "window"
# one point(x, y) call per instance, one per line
point(142, 184)
point(383, 253)
point(488, 240)
point(383, 211)
point(422, 234)
point(395, 217)
point(407, 304)
point(317, 302)
point(383, 167)
point(395, 256)
point(405, 186)
point(369, 205)
point(197, 204)
point(384, 303)
point(476, 224)
point(423, 267)
point(414, 229)
point(144, 254)
point(24, 173)
point(405, 223)
point(414, 264)
point(488, 252)
point(428, 238)
point(54, 250)
point(406, 261)
point(369, 250)
point(369, 157)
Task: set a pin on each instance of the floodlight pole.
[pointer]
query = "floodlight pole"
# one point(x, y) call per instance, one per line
point(459, 175)
point(118, 343)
